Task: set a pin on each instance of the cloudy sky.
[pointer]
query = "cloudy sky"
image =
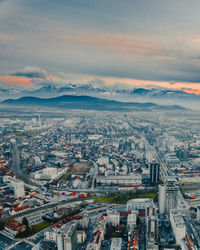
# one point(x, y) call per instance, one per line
point(139, 42)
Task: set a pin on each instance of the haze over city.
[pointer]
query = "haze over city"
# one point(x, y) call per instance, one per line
point(99, 125)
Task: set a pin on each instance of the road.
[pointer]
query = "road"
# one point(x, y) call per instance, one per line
point(17, 166)
point(16, 162)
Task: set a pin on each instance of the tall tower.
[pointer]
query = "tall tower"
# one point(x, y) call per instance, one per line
point(171, 194)
point(39, 121)
point(168, 196)
point(154, 173)
point(161, 199)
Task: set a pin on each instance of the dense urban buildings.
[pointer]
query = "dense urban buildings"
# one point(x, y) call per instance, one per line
point(99, 181)
point(99, 125)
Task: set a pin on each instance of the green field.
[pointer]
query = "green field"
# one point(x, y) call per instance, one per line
point(123, 198)
point(34, 229)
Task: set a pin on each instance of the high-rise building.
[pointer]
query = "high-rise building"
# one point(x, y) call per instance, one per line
point(152, 227)
point(154, 173)
point(168, 196)
point(70, 239)
point(65, 238)
point(161, 199)
point(171, 194)
point(18, 187)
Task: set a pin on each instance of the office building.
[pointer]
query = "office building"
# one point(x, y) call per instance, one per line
point(154, 173)
point(146, 204)
point(168, 196)
point(152, 228)
point(132, 220)
point(18, 187)
point(171, 194)
point(113, 218)
point(178, 225)
point(161, 199)
point(65, 238)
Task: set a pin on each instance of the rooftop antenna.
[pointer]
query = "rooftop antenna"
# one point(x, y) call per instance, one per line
point(39, 121)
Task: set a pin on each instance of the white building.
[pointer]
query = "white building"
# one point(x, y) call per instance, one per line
point(37, 161)
point(116, 244)
point(141, 203)
point(46, 173)
point(135, 179)
point(66, 238)
point(178, 225)
point(18, 187)
point(168, 196)
point(132, 220)
point(103, 161)
point(161, 199)
point(113, 218)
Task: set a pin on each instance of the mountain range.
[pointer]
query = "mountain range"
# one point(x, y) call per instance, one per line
point(86, 103)
point(117, 92)
point(101, 90)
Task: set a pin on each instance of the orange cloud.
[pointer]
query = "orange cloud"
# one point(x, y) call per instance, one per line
point(194, 87)
point(16, 80)
point(117, 42)
point(49, 77)
point(192, 91)
point(9, 37)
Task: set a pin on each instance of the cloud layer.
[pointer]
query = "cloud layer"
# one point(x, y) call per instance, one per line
point(31, 72)
point(156, 42)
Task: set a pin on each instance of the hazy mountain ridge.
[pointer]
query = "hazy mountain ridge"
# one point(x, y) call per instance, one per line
point(87, 102)
point(91, 88)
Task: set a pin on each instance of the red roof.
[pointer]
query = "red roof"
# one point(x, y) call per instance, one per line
point(20, 208)
point(14, 225)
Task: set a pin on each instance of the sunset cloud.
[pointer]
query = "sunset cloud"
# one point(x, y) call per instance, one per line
point(155, 45)
point(15, 80)
point(118, 42)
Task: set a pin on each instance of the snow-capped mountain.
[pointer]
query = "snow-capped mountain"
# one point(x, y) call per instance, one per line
point(99, 89)
point(161, 93)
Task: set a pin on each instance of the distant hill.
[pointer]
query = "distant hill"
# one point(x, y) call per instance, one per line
point(86, 103)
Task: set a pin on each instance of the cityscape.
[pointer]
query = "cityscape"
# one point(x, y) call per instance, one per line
point(99, 125)
point(100, 180)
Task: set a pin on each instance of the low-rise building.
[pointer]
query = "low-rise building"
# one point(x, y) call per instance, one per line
point(19, 210)
point(135, 179)
point(14, 227)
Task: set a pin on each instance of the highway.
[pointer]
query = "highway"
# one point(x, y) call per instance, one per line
point(17, 166)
